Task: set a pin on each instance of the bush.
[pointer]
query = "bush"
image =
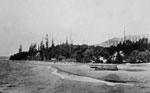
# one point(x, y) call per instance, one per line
point(139, 56)
point(20, 56)
point(116, 58)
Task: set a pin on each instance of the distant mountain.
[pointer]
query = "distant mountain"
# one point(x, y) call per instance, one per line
point(110, 42)
point(115, 41)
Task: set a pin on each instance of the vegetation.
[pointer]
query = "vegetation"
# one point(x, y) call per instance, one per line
point(20, 56)
point(127, 51)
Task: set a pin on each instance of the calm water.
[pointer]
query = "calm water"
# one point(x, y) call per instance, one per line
point(4, 58)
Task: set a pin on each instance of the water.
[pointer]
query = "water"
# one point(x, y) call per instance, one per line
point(4, 58)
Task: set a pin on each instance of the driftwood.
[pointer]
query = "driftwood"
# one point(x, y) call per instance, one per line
point(104, 66)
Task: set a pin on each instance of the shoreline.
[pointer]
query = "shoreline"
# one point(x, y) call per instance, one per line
point(77, 77)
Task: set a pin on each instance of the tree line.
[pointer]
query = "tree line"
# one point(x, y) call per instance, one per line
point(127, 51)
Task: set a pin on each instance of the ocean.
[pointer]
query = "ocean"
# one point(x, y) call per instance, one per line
point(4, 58)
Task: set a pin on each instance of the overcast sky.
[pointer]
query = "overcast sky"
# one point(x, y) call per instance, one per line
point(89, 21)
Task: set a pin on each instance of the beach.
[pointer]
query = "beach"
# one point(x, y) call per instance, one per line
point(49, 77)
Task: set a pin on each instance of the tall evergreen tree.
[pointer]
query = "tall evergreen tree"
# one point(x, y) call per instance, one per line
point(20, 48)
point(53, 44)
point(47, 41)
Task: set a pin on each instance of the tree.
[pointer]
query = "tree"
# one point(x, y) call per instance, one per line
point(53, 44)
point(32, 50)
point(47, 41)
point(116, 58)
point(42, 48)
point(19, 56)
point(20, 48)
point(88, 55)
point(139, 56)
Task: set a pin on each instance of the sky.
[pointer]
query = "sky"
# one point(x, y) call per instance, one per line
point(85, 21)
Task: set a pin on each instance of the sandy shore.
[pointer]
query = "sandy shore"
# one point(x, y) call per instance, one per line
point(41, 77)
